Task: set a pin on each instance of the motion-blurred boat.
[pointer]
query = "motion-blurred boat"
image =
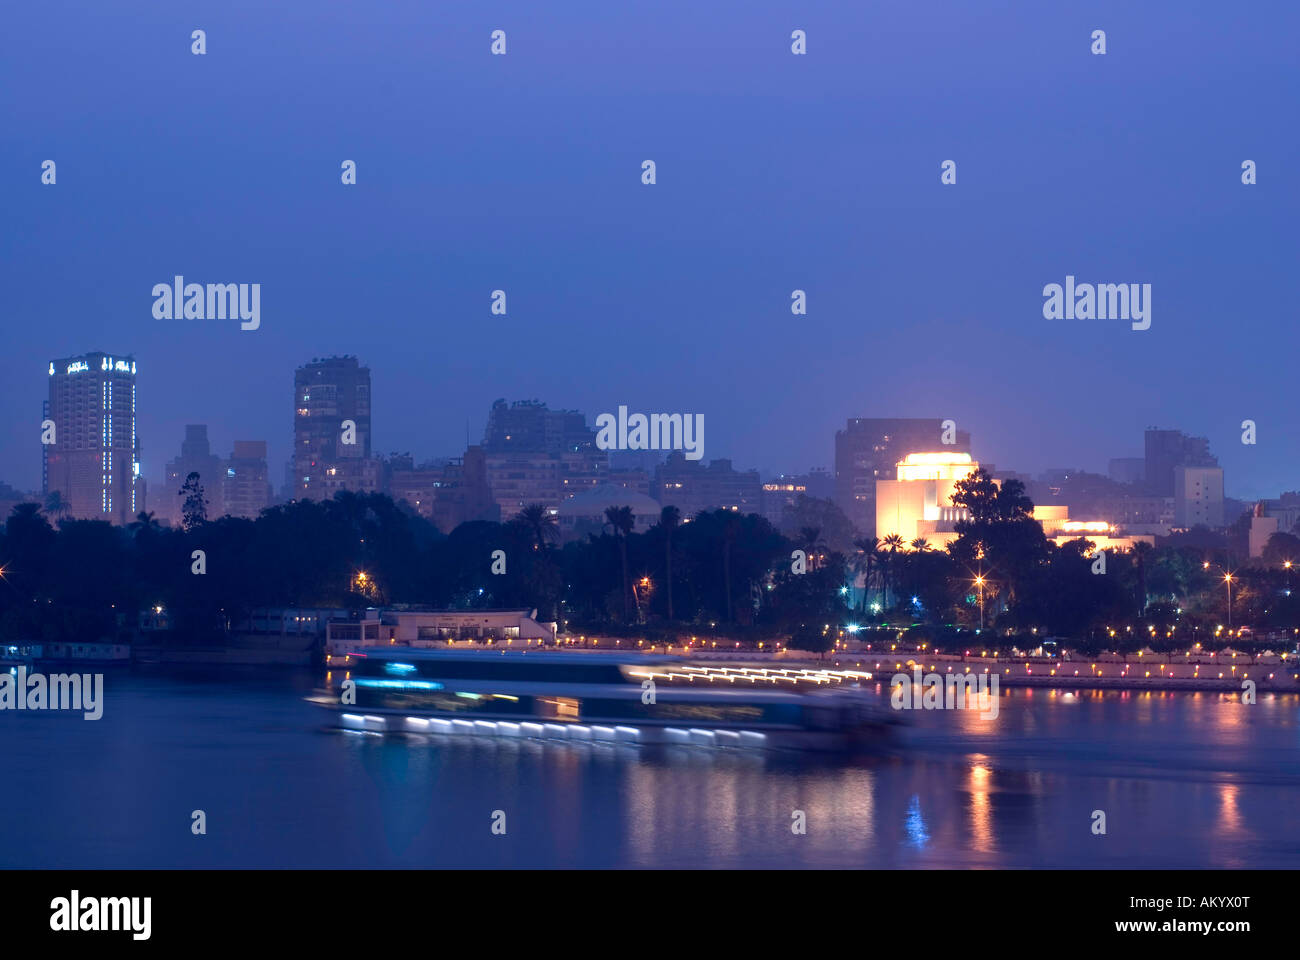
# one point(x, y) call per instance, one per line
point(609, 697)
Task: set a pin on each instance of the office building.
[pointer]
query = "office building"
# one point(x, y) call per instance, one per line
point(445, 492)
point(246, 489)
point(781, 495)
point(94, 461)
point(1167, 450)
point(331, 430)
point(1198, 497)
point(532, 454)
point(692, 487)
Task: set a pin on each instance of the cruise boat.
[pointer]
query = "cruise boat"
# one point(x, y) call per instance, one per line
point(610, 697)
point(15, 655)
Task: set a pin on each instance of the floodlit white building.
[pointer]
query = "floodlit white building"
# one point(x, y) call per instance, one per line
point(429, 628)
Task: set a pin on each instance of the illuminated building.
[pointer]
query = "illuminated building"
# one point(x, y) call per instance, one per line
point(780, 498)
point(868, 449)
point(94, 463)
point(428, 628)
point(918, 504)
point(1060, 529)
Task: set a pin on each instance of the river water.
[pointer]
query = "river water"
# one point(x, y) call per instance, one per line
point(1185, 779)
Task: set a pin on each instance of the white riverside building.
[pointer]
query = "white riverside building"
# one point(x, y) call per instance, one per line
point(584, 512)
point(430, 628)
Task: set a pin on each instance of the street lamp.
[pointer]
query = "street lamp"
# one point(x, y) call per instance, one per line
point(979, 582)
point(1227, 579)
point(645, 585)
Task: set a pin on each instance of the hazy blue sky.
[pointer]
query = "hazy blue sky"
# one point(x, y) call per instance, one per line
point(775, 172)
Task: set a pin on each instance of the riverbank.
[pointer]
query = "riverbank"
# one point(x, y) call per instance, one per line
point(1211, 671)
point(1108, 671)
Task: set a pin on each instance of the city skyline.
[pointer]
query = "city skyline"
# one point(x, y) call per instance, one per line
point(531, 454)
point(237, 434)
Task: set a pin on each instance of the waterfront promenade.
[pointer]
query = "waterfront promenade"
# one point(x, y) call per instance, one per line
point(1223, 669)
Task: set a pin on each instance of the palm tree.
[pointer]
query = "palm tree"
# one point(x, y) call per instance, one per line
point(142, 522)
point(1142, 550)
point(623, 522)
point(55, 505)
point(670, 518)
point(894, 542)
point(810, 540)
point(921, 545)
point(541, 523)
point(867, 565)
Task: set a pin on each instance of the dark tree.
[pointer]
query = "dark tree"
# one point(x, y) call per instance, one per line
point(194, 510)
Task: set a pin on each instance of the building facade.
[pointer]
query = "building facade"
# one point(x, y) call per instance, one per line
point(246, 488)
point(585, 513)
point(532, 454)
point(1167, 450)
point(917, 502)
point(781, 496)
point(918, 506)
point(196, 457)
point(1198, 497)
point(692, 487)
point(446, 492)
point(331, 430)
point(868, 450)
point(94, 461)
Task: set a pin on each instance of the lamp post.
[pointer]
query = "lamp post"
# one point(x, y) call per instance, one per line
point(979, 582)
point(1227, 579)
point(644, 583)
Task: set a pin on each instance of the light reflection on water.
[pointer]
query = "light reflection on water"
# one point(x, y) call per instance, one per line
point(1186, 779)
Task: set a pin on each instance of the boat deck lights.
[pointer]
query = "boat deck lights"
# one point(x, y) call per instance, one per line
point(753, 675)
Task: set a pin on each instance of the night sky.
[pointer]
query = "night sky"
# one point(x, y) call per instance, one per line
point(775, 172)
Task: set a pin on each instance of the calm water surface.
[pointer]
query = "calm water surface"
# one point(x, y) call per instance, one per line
point(1185, 779)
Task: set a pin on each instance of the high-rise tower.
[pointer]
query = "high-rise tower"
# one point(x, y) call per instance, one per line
point(94, 462)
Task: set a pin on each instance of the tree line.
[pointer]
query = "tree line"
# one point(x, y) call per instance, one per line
point(719, 573)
